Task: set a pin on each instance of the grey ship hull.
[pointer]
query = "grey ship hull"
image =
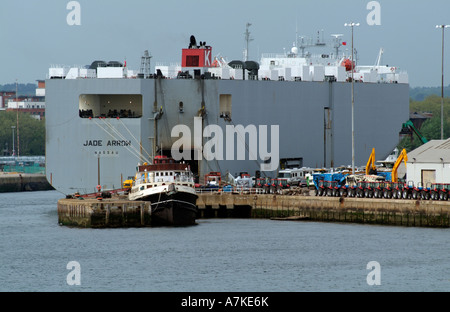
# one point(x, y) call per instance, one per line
point(314, 120)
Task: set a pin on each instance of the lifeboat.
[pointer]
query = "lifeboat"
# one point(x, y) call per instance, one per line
point(348, 64)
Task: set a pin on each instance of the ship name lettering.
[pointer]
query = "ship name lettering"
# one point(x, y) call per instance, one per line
point(119, 143)
point(93, 143)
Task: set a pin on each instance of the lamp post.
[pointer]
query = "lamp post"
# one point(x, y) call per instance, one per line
point(442, 81)
point(352, 25)
point(13, 148)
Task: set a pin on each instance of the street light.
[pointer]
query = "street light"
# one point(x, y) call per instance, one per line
point(442, 82)
point(353, 100)
point(13, 148)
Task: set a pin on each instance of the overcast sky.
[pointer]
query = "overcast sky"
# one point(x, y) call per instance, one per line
point(35, 34)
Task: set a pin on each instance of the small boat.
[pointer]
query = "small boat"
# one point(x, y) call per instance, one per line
point(169, 186)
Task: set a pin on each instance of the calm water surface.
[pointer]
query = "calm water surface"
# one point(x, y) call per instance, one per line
point(220, 255)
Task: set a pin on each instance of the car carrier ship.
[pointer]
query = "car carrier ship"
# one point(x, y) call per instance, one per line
point(104, 119)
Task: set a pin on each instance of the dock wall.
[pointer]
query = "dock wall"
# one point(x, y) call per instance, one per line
point(119, 212)
point(91, 213)
point(328, 209)
point(23, 182)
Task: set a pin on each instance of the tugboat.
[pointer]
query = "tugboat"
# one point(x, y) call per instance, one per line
point(169, 186)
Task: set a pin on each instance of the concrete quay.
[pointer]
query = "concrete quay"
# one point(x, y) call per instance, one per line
point(328, 209)
point(105, 213)
point(120, 212)
point(23, 182)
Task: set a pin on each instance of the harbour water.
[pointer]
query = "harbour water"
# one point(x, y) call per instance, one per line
point(217, 255)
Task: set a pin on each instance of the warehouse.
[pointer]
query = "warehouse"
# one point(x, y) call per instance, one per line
point(429, 163)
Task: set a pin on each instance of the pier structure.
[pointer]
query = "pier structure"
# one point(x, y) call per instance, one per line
point(119, 212)
point(328, 209)
point(105, 213)
point(23, 182)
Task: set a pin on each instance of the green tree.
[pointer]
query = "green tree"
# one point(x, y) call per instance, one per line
point(31, 134)
point(431, 128)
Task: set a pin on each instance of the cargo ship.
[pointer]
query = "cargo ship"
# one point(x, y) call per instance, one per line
point(219, 116)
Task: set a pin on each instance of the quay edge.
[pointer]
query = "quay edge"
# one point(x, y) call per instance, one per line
point(23, 182)
point(328, 209)
point(109, 213)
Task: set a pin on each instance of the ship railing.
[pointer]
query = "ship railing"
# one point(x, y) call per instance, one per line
point(286, 55)
point(230, 190)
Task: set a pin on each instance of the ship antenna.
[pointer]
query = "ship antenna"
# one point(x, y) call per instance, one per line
point(247, 40)
point(145, 64)
point(337, 43)
point(302, 46)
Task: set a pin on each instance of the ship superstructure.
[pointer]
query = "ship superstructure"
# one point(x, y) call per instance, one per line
point(104, 119)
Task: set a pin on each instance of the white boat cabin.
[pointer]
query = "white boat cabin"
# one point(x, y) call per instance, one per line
point(164, 171)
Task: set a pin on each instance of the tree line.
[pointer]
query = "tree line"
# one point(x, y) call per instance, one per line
point(431, 128)
point(31, 134)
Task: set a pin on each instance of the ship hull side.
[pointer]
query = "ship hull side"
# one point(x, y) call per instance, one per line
point(314, 120)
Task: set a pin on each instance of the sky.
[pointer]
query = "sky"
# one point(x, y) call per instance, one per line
point(36, 34)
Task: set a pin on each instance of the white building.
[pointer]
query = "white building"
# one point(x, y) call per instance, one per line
point(429, 163)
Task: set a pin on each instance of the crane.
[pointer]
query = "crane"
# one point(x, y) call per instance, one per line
point(378, 61)
point(402, 157)
point(370, 167)
point(408, 127)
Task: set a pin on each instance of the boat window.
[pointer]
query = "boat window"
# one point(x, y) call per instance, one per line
point(110, 105)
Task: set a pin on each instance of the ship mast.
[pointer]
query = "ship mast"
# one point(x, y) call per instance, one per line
point(337, 43)
point(247, 41)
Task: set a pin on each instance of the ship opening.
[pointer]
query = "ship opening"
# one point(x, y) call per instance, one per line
point(110, 105)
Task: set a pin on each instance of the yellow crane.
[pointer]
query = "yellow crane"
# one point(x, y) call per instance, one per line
point(402, 157)
point(371, 163)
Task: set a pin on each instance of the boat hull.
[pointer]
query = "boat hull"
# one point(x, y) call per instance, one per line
point(173, 212)
point(177, 208)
